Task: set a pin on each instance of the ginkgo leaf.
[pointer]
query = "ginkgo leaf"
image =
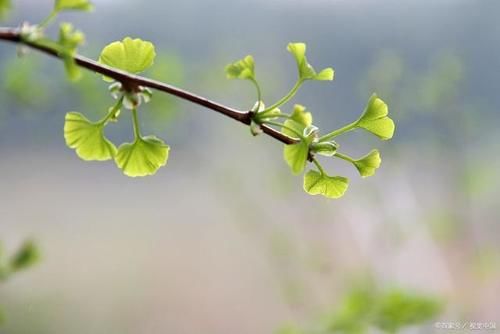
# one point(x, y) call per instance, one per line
point(326, 74)
point(130, 55)
point(142, 157)
point(301, 116)
point(316, 183)
point(241, 69)
point(298, 121)
point(73, 5)
point(87, 138)
point(296, 156)
point(69, 40)
point(306, 71)
point(367, 164)
point(375, 120)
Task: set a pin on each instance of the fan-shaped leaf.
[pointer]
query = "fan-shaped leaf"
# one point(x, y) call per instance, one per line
point(241, 69)
point(375, 120)
point(367, 164)
point(142, 157)
point(296, 156)
point(130, 55)
point(87, 138)
point(316, 183)
point(306, 71)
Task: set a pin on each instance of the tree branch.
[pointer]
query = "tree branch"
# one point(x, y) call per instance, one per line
point(133, 81)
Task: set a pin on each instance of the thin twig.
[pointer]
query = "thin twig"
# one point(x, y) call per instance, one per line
point(132, 81)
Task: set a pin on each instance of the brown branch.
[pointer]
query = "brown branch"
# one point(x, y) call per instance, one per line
point(131, 80)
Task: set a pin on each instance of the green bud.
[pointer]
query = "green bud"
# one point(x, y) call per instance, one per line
point(326, 149)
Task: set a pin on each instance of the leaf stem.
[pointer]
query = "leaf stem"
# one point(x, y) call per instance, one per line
point(338, 132)
point(344, 157)
point(113, 111)
point(287, 97)
point(48, 19)
point(259, 93)
point(137, 130)
point(318, 165)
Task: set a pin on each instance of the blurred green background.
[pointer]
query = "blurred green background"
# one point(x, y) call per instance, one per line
point(223, 240)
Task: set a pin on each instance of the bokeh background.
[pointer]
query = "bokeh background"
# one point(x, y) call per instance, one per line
point(223, 240)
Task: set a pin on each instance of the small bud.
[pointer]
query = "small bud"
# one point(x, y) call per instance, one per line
point(146, 94)
point(310, 131)
point(131, 101)
point(326, 149)
point(115, 89)
point(255, 129)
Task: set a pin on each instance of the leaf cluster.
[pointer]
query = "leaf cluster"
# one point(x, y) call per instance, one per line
point(145, 154)
point(299, 126)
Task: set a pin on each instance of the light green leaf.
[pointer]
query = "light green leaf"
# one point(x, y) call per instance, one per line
point(296, 156)
point(301, 116)
point(241, 69)
point(316, 183)
point(298, 121)
point(326, 74)
point(73, 5)
point(5, 6)
point(130, 55)
point(367, 164)
point(87, 138)
point(375, 120)
point(69, 40)
point(306, 71)
point(142, 157)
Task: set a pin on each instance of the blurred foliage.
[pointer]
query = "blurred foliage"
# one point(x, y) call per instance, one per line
point(26, 256)
point(410, 91)
point(23, 85)
point(389, 310)
point(439, 87)
point(365, 307)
